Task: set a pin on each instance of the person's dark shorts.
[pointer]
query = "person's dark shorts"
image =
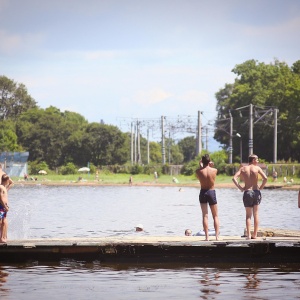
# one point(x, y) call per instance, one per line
point(251, 198)
point(208, 196)
point(2, 213)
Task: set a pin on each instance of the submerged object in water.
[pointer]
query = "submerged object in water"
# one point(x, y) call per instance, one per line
point(211, 232)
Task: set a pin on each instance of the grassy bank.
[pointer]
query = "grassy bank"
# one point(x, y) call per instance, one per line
point(137, 179)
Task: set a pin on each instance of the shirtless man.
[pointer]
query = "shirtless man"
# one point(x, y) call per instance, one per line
point(10, 184)
point(3, 208)
point(207, 176)
point(252, 195)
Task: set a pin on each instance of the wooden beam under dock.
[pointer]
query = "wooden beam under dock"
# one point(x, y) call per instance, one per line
point(160, 249)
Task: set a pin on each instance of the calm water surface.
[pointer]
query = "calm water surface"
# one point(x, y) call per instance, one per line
point(42, 212)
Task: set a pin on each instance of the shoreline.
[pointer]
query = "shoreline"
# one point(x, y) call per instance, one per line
point(152, 184)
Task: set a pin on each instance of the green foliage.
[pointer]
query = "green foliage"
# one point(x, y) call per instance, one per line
point(264, 86)
point(35, 167)
point(137, 169)
point(187, 147)
point(69, 168)
point(14, 99)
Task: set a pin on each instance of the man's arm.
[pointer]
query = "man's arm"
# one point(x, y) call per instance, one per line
point(235, 180)
point(10, 184)
point(299, 199)
point(264, 177)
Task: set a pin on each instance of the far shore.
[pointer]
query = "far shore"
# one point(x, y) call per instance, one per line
point(45, 182)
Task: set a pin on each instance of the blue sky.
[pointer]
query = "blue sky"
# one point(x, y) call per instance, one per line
point(121, 59)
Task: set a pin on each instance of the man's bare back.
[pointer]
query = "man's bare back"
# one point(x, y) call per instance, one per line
point(249, 174)
point(207, 176)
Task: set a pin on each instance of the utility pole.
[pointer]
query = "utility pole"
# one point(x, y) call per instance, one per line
point(275, 135)
point(250, 129)
point(148, 147)
point(199, 137)
point(131, 143)
point(230, 137)
point(139, 144)
point(163, 154)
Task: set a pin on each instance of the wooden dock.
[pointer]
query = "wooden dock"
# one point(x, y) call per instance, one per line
point(160, 249)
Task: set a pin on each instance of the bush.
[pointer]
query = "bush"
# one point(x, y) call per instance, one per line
point(69, 168)
point(35, 167)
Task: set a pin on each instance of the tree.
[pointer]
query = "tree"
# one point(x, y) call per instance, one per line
point(45, 134)
point(264, 86)
point(14, 99)
point(104, 145)
point(8, 137)
point(187, 147)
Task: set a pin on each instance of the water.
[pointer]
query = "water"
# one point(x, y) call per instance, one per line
point(46, 212)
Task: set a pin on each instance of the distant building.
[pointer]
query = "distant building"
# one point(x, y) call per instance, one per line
point(14, 163)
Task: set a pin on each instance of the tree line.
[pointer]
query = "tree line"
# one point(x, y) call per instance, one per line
point(63, 139)
point(57, 138)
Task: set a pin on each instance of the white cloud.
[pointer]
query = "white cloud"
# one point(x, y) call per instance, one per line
point(151, 97)
point(9, 42)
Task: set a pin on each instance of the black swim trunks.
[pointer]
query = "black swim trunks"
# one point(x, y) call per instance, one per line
point(251, 198)
point(208, 196)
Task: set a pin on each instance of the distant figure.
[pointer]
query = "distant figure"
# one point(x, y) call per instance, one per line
point(175, 180)
point(284, 179)
point(10, 183)
point(155, 175)
point(139, 227)
point(97, 175)
point(130, 180)
point(207, 176)
point(4, 208)
point(188, 232)
point(252, 195)
point(274, 175)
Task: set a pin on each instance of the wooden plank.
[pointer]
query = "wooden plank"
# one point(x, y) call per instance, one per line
point(159, 249)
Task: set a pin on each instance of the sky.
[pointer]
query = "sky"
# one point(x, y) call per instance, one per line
point(122, 60)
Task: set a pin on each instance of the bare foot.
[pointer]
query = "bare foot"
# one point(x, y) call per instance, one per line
point(248, 238)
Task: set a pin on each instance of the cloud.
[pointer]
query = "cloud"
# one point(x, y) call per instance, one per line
point(16, 43)
point(9, 42)
point(151, 97)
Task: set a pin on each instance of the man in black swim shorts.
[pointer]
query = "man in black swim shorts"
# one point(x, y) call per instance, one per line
point(207, 176)
point(251, 198)
point(208, 196)
point(251, 191)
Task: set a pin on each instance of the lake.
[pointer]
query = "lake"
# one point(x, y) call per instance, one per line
point(86, 211)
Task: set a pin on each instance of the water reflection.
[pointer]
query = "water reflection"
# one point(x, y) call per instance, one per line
point(252, 281)
point(209, 283)
point(3, 280)
point(71, 279)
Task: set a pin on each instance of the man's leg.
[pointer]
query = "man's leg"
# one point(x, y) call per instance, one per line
point(214, 212)
point(3, 230)
point(256, 221)
point(248, 221)
point(205, 219)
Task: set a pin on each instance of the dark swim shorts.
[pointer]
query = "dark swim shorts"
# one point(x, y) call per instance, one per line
point(251, 198)
point(208, 196)
point(2, 213)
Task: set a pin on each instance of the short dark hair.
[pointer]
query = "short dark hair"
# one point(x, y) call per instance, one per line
point(205, 159)
point(252, 157)
point(4, 177)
